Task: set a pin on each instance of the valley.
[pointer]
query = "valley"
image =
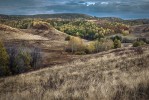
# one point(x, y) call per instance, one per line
point(74, 57)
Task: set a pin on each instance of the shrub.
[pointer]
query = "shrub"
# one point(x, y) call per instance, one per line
point(108, 44)
point(125, 32)
point(75, 44)
point(36, 60)
point(99, 45)
point(117, 43)
point(12, 56)
point(90, 48)
point(4, 61)
point(116, 37)
point(103, 45)
point(23, 59)
point(22, 62)
point(80, 53)
point(68, 38)
point(138, 43)
point(40, 25)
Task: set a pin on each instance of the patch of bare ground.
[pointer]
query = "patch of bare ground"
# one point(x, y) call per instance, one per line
point(120, 74)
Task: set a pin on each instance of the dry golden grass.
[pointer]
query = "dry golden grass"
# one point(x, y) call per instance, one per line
point(7, 33)
point(120, 74)
point(8, 28)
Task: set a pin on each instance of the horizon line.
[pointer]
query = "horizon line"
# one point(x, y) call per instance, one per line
point(74, 13)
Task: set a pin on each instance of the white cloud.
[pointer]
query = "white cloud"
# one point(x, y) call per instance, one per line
point(104, 3)
point(93, 7)
point(88, 3)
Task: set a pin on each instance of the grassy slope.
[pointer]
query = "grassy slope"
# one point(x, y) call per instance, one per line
point(141, 30)
point(7, 33)
point(120, 74)
point(51, 42)
point(50, 37)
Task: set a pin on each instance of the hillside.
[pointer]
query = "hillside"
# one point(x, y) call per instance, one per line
point(140, 28)
point(113, 75)
point(141, 31)
point(51, 42)
point(7, 33)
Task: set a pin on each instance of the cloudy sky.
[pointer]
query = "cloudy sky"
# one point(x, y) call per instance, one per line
point(101, 8)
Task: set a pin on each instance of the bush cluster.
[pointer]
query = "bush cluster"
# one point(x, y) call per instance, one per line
point(138, 43)
point(15, 60)
point(117, 43)
point(40, 25)
point(77, 46)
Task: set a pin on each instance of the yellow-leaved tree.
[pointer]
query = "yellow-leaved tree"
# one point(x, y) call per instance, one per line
point(75, 45)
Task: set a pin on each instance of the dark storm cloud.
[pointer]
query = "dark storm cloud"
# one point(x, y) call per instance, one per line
point(117, 8)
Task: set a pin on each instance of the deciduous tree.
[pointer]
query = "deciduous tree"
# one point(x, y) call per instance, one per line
point(4, 61)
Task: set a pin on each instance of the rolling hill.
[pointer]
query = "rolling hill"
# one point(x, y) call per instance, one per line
point(73, 16)
point(116, 74)
point(112, 75)
point(51, 42)
point(7, 33)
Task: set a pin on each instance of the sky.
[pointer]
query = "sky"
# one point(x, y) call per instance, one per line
point(127, 9)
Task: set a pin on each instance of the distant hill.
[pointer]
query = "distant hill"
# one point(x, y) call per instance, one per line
point(139, 21)
point(44, 16)
point(63, 16)
point(72, 16)
point(112, 19)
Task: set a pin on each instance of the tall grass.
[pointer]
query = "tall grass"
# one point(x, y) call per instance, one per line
point(112, 75)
